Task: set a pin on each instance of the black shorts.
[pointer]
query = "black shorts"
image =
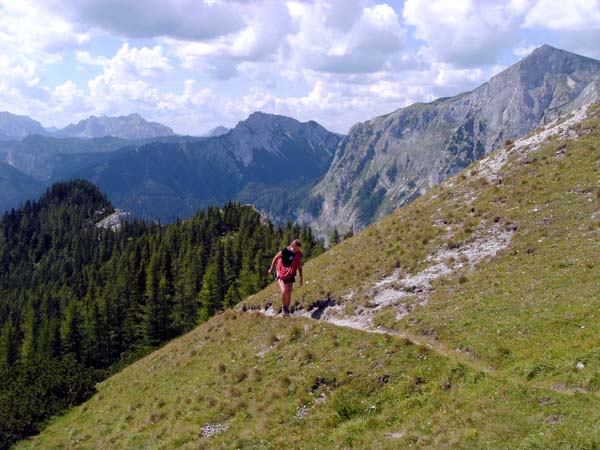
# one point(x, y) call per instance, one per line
point(288, 281)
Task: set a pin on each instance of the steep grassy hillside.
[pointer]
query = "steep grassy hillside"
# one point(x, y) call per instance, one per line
point(501, 262)
point(487, 288)
point(273, 383)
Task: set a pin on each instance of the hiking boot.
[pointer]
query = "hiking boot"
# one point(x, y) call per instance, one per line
point(286, 311)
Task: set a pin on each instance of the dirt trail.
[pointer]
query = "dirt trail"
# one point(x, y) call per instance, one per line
point(434, 345)
point(400, 292)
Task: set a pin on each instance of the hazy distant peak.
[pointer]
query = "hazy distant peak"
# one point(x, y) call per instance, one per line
point(132, 126)
point(217, 131)
point(15, 127)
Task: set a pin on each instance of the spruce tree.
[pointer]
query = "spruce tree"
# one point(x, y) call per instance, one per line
point(9, 345)
point(334, 239)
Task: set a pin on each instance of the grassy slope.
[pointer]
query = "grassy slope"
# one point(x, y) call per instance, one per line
point(253, 373)
point(530, 314)
point(533, 310)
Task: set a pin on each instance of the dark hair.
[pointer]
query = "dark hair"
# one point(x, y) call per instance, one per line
point(296, 242)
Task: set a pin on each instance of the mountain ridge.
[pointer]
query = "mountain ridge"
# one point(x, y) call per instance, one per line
point(163, 181)
point(388, 161)
point(132, 126)
point(15, 127)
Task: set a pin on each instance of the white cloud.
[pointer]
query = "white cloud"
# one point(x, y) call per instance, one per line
point(67, 98)
point(366, 41)
point(30, 40)
point(127, 79)
point(261, 39)
point(566, 15)
point(325, 36)
point(524, 49)
point(576, 23)
point(180, 19)
point(466, 33)
point(86, 58)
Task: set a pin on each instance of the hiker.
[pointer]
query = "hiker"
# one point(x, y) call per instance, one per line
point(288, 261)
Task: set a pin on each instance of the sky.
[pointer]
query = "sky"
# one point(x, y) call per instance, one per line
point(197, 64)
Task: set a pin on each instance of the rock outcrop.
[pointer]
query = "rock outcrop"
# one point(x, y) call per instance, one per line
point(390, 160)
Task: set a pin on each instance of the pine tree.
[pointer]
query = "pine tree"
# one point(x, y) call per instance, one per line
point(72, 332)
point(334, 239)
point(9, 345)
point(31, 330)
point(152, 311)
point(210, 298)
point(232, 297)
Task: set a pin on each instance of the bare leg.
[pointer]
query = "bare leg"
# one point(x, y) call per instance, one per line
point(286, 295)
point(287, 298)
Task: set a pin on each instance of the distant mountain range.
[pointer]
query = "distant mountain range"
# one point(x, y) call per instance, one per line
point(14, 127)
point(267, 160)
point(301, 171)
point(388, 161)
point(132, 126)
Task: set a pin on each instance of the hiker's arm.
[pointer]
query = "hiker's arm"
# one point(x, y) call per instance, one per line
point(277, 256)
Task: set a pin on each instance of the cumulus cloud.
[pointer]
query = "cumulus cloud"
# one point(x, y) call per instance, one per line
point(566, 15)
point(331, 36)
point(181, 19)
point(466, 33)
point(575, 22)
point(30, 40)
point(127, 79)
point(365, 40)
point(261, 39)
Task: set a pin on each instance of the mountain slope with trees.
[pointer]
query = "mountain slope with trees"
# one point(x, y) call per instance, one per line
point(79, 299)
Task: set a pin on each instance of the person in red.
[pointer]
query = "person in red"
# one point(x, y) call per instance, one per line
point(288, 261)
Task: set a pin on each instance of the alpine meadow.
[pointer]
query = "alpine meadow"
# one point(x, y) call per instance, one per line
point(300, 224)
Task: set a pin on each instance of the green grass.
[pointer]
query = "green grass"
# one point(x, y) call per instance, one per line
point(355, 390)
point(533, 310)
point(500, 343)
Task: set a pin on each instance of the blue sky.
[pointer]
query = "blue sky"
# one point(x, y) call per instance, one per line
point(194, 64)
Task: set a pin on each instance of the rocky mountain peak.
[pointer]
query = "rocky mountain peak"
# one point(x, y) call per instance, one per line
point(548, 59)
point(132, 126)
point(217, 131)
point(268, 133)
point(390, 160)
point(15, 127)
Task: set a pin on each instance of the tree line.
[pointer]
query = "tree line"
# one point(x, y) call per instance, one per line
point(78, 301)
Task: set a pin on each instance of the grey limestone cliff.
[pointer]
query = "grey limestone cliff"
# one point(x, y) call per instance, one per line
point(132, 126)
point(14, 127)
point(388, 161)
